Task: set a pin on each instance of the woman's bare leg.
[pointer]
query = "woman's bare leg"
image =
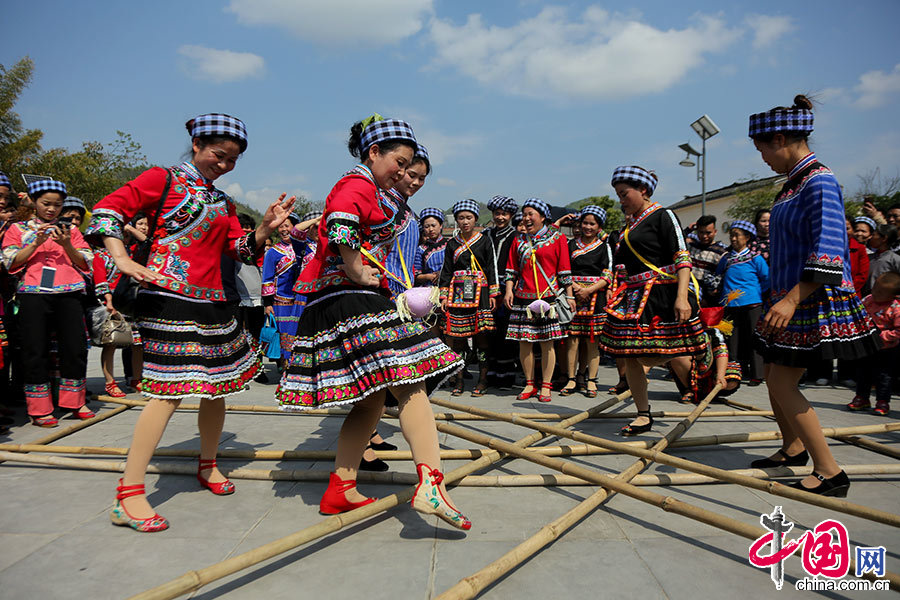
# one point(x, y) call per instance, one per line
point(210, 421)
point(354, 437)
point(526, 358)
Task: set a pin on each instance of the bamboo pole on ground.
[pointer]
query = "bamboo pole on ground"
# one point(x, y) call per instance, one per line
point(775, 488)
point(452, 454)
point(471, 586)
point(870, 445)
point(397, 478)
point(666, 503)
point(193, 580)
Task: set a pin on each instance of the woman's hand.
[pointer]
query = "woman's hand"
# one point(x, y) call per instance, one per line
point(571, 304)
point(493, 304)
point(42, 234)
point(369, 276)
point(269, 310)
point(508, 300)
point(137, 271)
point(275, 215)
point(444, 304)
point(582, 293)
point(62, 234)
point(682, 309)
point(778, 316)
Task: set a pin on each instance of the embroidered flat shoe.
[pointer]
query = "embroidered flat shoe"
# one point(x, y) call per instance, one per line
point(221, 488)
point(523, 395)
point(45, 421)
point(119, 516)
point(428, 498)
point(630, 430)
point(858, 404)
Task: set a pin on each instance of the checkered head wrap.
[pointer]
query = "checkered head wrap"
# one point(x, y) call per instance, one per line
point(516, 218)
point(468, 204)
point(313, 214)
point(538, 205)
point(635, 175)
point(422, 153)
point(502, 203)
point(432, 212)
point(383, 130)
point(73, 202)
point(597, 211)
point(294, 218)
point(781, 120)
point(867, 220)
point(4, 180)
point(745, 225)
point(219, 124)
point(36, 188)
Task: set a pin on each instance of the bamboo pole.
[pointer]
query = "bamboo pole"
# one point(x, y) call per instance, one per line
point(535, 416)
point(777, 489)
point(451, 454)
point(471, 586)
point(870, 445)
point(193, 580)
point(666, 503)
point(397, 478)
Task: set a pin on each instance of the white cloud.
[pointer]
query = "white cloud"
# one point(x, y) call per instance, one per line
point(220, 66)
point(338, 22)
point(445, 182)
point(260, 199)
point(768, 29)
point(597, 56)
point(875, 88)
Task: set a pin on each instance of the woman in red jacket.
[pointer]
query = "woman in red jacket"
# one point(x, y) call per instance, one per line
point(192, 343)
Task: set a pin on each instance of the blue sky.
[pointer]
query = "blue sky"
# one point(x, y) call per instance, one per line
point(519, 98)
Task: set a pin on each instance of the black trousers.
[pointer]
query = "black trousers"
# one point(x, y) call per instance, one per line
point(740, 344)
point(43, 314)
point(877, 371)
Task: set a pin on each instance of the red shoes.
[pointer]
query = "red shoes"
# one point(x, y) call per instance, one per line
point(45, 421)
point(546, 397)
point(334, 501)
point(83, 413)
point(113, 391)
point(222, 488)
point(119, 516)
point(526, 395)
point(430, 500)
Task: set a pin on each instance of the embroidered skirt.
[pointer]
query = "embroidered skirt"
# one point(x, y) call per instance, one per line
point(192, 348)
point(352, 343)
point(537, 328)
point(287, 311)
point(829, 324)
point(641, 322)
point(589, 317)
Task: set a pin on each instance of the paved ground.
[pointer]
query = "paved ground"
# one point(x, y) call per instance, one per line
point(56, 540)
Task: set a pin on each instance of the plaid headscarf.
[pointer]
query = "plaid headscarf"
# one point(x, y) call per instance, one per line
point(538, 205)
point(597, 211)
point(635, 175)
point(73, 202)
point(516, 218)
point(219, 124)
point(468, 204)
point(432, 212)
point(867, 220)
point(781, 120)
point(745, 225)
point(4, 180)
point(312, 215)
point(382, 130)
point(35, 188)
point(502, 203)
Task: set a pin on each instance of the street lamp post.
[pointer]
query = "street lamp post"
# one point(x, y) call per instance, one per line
point(705, 128)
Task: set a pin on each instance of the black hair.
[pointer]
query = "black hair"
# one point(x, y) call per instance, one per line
point(246, 221)
point(891, 279)
point(354, 143)
point(706, 220)
point(421, 159)
point(138, 216)
point(441, 223)
point(889, 232)
point(801, 102)
point(894, 206)
point(759, 215)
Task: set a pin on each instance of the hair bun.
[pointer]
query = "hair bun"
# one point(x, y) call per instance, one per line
point(190, 126)
point(654, 176)
point(801, 101)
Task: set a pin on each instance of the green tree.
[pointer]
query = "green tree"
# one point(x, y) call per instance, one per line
point(615, 219)
point(747, 203)
point(17, 145)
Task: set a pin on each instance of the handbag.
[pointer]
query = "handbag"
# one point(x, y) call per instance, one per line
point(125, 294)
point(269, 339)
point(115, 331)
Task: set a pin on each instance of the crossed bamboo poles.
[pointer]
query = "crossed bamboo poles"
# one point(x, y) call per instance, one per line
point(571, 473)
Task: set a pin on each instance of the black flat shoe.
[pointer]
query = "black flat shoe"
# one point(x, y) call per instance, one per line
point(836, 486)
point(630, 430)
point(382, 445)
point(798, 460)
point(377, 465)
